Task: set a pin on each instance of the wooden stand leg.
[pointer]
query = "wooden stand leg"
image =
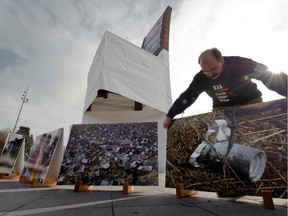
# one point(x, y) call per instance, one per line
point(79, 187)
point(267, 199)
point(23, 179)
point(48, 182)
point(9, 176)
point(28, 179)
point(181, 192)
point(127, 188)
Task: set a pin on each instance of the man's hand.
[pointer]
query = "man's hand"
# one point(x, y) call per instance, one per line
point(167, 121)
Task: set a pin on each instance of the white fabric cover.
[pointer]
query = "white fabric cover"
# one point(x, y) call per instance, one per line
point(130, 71)
point(102, 117)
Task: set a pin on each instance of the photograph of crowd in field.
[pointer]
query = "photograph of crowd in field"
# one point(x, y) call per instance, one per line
point(110, 154)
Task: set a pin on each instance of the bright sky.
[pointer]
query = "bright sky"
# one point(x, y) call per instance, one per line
point(51, 45)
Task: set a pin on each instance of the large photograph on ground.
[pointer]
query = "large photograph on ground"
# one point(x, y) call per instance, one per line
point(237, 151)
point(110, 154)
point(10, 153)
point(38, 161)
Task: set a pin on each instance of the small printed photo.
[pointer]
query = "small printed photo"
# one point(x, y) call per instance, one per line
point(10, 153)
point(38, 161)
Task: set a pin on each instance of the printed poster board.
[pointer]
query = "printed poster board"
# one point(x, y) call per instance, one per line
point(42, 156)
point(257, 160)
point(11, 153)
point(110, 154)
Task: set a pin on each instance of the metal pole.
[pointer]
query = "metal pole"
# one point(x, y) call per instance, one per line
point(24, 100)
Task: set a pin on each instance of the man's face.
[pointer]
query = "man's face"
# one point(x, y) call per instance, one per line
point(210, 66)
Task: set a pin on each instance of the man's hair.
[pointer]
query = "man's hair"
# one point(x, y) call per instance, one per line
point(215, 52)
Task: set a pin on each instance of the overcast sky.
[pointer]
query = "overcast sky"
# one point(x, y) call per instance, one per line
point(50, 45)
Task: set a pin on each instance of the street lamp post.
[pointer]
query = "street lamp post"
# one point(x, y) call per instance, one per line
point(24, 100)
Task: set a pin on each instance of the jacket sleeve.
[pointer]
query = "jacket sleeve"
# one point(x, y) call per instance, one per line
point(186, 99)
point(272, 80)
